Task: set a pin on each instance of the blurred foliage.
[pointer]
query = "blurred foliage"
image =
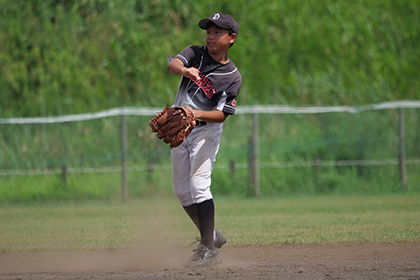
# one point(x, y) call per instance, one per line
point(73, 56)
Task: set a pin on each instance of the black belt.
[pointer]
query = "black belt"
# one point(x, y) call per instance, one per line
point(200, 123)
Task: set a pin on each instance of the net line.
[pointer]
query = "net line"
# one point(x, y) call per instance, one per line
point(252, 109)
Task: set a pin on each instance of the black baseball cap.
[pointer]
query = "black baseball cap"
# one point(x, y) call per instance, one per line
point(222, 20)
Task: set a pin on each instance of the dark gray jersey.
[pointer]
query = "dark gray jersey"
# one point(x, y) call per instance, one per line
point(218, 87)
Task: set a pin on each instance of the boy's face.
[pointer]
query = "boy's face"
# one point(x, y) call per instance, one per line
point(218, 39)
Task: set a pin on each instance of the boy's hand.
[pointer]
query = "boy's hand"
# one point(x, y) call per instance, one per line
point(191, 73)
point(176, 67)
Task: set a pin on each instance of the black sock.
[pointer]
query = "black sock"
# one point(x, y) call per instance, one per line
point(192, 213)
point(205, 218)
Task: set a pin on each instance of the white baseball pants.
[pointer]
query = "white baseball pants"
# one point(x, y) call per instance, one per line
point(192, 164)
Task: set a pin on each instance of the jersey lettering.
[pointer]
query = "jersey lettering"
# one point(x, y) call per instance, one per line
point(205, 84)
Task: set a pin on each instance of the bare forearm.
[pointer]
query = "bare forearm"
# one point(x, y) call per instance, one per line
point(176, 67)
point(215, 116)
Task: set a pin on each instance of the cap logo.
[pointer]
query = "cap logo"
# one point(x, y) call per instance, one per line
point(216, 16)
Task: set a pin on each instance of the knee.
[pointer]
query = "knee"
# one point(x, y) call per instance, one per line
point(184, 197)
point(179, 193)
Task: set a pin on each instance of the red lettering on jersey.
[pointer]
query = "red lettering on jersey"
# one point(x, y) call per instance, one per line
point(205, 84)
point(234, 103)
point(209, 90)
point(200, 82)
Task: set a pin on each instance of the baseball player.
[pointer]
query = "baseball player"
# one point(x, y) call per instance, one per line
point(210, 85)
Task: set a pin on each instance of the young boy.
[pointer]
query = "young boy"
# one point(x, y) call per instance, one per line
point(210, 84)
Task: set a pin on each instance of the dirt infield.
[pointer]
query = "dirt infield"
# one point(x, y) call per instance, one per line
point(355, 261)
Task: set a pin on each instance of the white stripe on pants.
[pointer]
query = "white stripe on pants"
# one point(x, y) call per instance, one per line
point(192, 164)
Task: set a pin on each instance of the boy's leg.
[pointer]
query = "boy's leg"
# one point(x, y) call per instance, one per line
point(181, 174)
point(203, 154)
point(192, 165)
point(205, 215)
point(192, 213)
point(200, 151)
point(219, 239)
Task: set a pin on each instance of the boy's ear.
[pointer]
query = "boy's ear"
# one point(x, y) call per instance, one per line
point(232, 38)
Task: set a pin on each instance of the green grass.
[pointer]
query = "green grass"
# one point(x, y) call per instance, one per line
point(162, 222)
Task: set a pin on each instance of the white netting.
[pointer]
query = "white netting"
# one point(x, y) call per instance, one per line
point(255, 109)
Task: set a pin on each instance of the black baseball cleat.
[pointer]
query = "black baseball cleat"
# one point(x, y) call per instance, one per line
point(204, 257)
point(220, 239)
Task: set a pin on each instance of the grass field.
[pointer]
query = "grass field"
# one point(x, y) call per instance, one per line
point(162, 222)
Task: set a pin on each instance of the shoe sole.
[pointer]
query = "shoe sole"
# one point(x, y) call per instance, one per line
point(207, 265)
point(216, 262)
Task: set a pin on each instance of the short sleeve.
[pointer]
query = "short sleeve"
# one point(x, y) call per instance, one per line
point(232, 93)
point(188, 54)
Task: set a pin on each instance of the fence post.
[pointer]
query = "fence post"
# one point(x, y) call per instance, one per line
point(402, 155)
point(317, 164)
point(253, 172)
point(232, 167)
point(64, 173)
point(124, 157)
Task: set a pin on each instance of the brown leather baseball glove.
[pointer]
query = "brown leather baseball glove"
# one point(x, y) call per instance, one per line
point(173, 125)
